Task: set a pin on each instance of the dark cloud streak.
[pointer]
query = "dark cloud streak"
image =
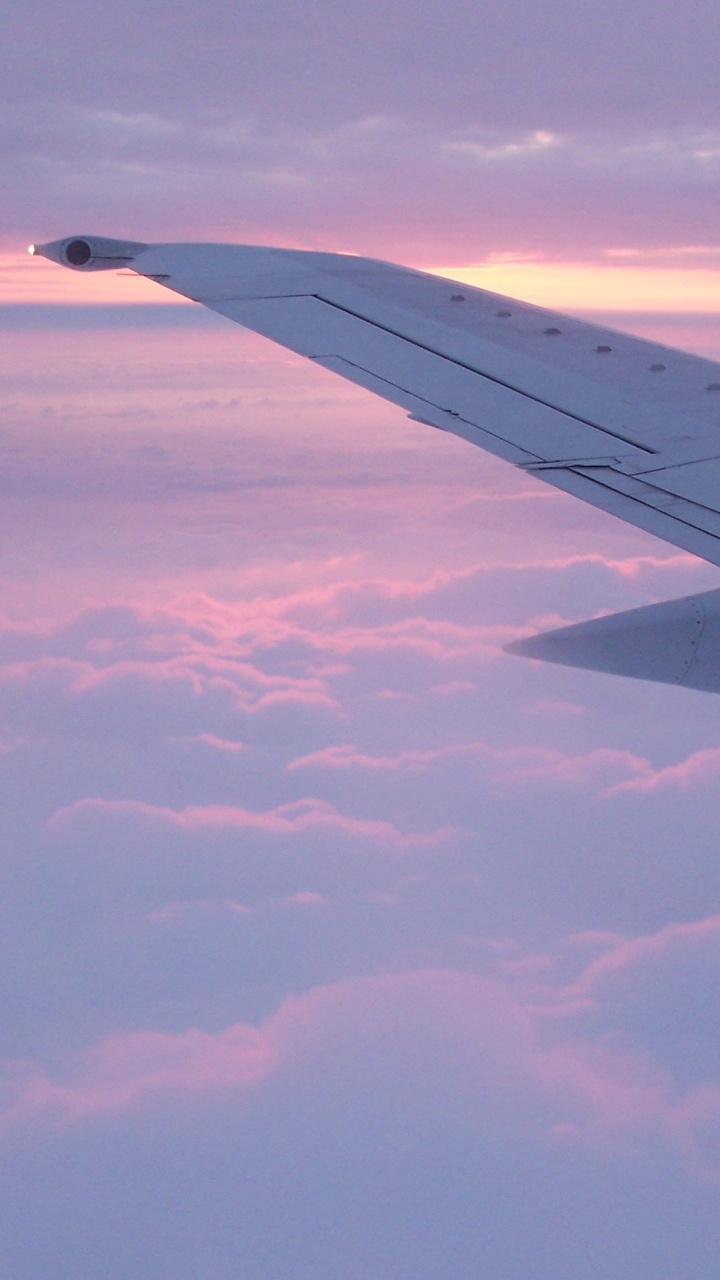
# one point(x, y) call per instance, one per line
point(362, 129)
point(479, 63)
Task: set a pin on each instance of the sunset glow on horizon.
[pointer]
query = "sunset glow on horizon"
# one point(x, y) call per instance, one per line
point(557, 285)
point(596, 286)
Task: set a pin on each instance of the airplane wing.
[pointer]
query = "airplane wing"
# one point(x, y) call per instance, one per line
point(629, 426)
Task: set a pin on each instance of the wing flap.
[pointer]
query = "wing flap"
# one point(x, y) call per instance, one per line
point(676, 520)
point(699, 481)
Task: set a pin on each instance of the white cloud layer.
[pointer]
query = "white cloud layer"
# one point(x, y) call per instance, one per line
point(302, 875)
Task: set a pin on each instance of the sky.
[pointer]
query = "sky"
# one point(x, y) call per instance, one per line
point(336, 943)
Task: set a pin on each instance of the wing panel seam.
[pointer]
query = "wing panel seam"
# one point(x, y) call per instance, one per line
point(649, 506)
point(458, 417)
point(461, 364)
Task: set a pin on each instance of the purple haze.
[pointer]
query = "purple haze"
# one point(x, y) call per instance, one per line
point(337, 943)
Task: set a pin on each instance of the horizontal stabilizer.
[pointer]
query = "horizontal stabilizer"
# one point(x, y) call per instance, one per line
point(677, 642)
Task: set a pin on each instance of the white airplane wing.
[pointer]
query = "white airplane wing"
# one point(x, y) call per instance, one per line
point(629, 426)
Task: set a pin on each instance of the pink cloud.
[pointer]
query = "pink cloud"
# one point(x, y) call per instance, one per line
point(175, 911)
point(437, 640)
point(344, 756)
point(406, 588)
point(150, 696)
point(213, 741)
point(616, 1094)
point(621, 961)
point(464, 1043)
point(509, 764)
point(122, 1070)
point(205, 671)
point(204, 647)
point(626, 566)
point(699, 769)
point(319, 1032)
point(544, 763)
point(286, 820)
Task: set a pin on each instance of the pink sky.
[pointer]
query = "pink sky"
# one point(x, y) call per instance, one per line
point(336, 942)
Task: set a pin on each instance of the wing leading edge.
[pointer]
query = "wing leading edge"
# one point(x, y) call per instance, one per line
point(627, 425)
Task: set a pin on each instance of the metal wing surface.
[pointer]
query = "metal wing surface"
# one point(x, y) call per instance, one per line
point(629, 426)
